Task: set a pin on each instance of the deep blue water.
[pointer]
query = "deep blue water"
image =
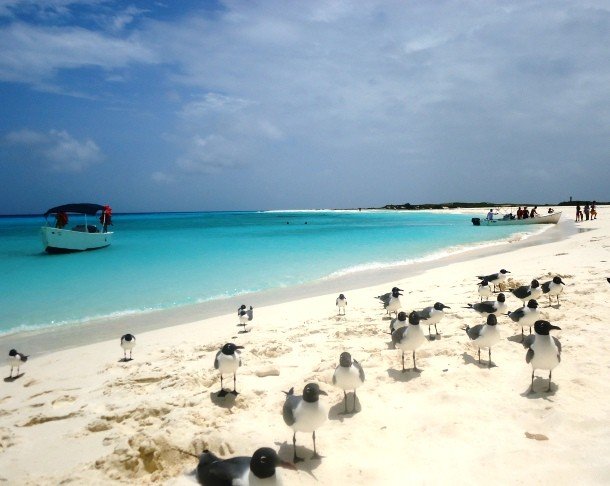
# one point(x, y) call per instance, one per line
point(166, 260)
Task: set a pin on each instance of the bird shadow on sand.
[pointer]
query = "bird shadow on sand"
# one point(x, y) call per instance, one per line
point(469, 359)
point(125, 360)
point(541, 386)
point(308, 465)
point(387, 318)
point(517, 338)
point(228, 401)
point(434, 337)
point(554, 306)
point(10, 379)
point(408, 375)
point(337, 411)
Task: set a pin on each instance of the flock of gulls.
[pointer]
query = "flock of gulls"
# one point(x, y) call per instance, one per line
point(306, 413)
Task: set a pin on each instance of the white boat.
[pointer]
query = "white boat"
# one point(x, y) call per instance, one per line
point(81, 237)
point(552, 218)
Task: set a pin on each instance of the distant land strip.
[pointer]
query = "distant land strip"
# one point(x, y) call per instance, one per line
point(458, 205)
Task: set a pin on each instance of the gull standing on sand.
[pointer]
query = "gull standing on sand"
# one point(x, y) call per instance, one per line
point(227, 360)
point(543, 350)
point(349, 375)
point(341, 303)
point(553, 288)
point(497, 306)
point(245, 316)
point(241, 470)
point(391, 300)
point(525, 292)
point(128, 342)
point(305, 413)
point(409, 338)
point(495, 278)
point(394, 304)
point(484, 335)
point(15, 359)
point(484, 289)
point(432, 316)
point(526, 316)
point(399, 321)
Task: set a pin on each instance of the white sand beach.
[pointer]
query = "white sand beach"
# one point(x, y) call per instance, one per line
point(83, 416)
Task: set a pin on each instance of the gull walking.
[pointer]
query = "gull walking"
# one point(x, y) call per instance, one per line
point(349, 375)
point(304, 413)
point(128, 342)
point(543, 350)
point(409, 338)
point(227, 360)
point(484, 335)
point(15, 359)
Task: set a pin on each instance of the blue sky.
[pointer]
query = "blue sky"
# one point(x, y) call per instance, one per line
point(193, 105)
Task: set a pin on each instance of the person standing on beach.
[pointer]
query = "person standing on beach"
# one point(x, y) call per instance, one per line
point(587, 212)
point(578, 213)
point(593, 210)
point(526, 213)
point(519, 213)
point(534, 213)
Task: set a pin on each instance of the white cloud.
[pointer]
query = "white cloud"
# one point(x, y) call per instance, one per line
point(59, 150)
point(209, 155)
point(34, 55)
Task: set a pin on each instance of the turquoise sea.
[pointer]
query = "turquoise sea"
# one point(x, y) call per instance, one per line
point(167, 260)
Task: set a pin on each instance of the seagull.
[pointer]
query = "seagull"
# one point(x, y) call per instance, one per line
point(349, 375)
point(484, 335)
point(495, 278)
point(399, 321)
point(15, 359)
point(497, 306)
point(391, 300)
point(525, 292)
point(227, 361)
point(432, 315)
point(409, 338)
point(394, 304)
point(128, 342)
point(304, 413)
point(341, 303)
point(543, 352)
point(241, 470)
point(553, 288)
point(245, 316)
point(484, 289)
point(526, 315)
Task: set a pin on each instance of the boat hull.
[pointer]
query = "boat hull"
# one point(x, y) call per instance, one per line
point(57, 240)
point(546, 219)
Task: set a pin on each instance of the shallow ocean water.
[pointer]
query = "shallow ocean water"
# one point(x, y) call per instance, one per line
point(167, 260)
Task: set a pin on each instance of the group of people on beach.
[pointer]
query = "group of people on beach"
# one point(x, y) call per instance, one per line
point(589, 212)
point(525, 213)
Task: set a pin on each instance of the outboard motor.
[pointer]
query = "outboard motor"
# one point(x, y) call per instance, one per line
point(476, 221)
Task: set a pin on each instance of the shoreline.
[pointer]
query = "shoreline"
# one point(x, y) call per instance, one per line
point(56, 338)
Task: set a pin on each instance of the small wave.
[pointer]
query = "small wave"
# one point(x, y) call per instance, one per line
point(437, 255)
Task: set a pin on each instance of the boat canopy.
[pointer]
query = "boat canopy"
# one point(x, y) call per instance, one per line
point(80, 208)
